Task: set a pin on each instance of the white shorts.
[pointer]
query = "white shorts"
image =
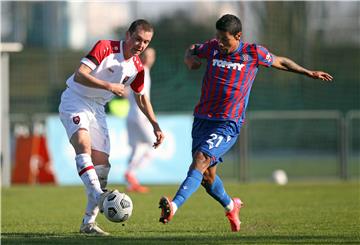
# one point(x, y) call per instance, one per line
point(78, 112)
point(140, 132)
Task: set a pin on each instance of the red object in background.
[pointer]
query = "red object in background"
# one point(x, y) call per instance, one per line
point(32, 161)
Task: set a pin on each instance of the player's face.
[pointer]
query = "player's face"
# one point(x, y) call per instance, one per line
point(138, 41)
point(227, 42)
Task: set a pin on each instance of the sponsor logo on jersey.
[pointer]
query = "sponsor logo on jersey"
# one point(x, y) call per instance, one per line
point(227, 64)
point(76, 120)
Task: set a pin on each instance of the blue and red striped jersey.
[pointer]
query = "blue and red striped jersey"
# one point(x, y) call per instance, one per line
point(228, 79)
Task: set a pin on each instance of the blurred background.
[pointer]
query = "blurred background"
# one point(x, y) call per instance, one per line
point(308, 128)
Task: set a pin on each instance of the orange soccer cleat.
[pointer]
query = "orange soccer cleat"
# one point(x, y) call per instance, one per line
point(137, 188)
point(166, 210)
point(133, 184)
point(233, 215)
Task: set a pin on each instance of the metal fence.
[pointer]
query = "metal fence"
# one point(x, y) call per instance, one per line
point(306, 144)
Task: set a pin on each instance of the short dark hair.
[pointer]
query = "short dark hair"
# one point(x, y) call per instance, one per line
point(229, 23)
point(145, 25)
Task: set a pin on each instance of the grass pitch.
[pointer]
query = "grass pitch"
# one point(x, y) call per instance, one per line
point(298, 213)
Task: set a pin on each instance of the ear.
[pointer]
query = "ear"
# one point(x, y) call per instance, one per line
point(127, 35)
point(238, 36)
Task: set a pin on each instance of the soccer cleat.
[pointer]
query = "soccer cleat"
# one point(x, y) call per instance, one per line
point(131, 179)
point(92, 229)
point(166, 210)
point(137, 188)
point(102, 198)
point(233, 215)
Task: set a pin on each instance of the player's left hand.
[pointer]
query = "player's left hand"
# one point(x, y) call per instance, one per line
point(321, 75)
point(159, 137)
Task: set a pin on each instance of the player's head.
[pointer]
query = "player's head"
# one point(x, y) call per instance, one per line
point(228, 32)
point(148, 57)
point(139, 36)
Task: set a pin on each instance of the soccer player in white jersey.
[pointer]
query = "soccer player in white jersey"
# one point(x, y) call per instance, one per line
point(102, 74)
point(139, 130)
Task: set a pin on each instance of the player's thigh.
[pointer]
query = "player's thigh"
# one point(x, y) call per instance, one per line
point(214, 138)
point(100, 140)
point(75, 115)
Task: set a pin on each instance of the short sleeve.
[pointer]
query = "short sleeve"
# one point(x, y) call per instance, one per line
point(101, 50)
point(203, 50)
point(138, 84)
point(264, 56)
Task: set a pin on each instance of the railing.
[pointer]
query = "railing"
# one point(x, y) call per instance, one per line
point(344, 133)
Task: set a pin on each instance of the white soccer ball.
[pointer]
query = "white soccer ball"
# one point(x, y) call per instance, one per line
point(279, 177)
point(117, 207)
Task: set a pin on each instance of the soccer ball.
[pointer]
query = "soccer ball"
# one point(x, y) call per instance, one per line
point(279, 177)
point(117, 207)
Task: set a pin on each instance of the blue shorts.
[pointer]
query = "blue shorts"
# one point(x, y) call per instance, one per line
point(214, 138)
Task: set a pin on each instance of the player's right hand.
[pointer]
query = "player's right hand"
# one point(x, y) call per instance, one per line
point(117, 89)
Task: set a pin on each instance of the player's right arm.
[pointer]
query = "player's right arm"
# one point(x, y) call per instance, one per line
point(191, 60)
point(84, 77)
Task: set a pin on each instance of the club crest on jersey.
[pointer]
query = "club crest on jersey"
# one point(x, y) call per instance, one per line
point(268, 57)
point(244, 57)
point(125, 79)
point(227, 64)
point(76, 120)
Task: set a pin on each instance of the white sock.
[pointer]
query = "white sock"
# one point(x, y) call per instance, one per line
point(92, 210)
point(102, 172)
point(174, 207)
point(230, 206)
point(90, 179)
point(88, 174)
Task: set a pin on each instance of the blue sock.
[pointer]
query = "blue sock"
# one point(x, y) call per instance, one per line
point(188, 187)
point(217, 191)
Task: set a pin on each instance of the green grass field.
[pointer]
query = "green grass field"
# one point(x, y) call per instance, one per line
point(298, 213)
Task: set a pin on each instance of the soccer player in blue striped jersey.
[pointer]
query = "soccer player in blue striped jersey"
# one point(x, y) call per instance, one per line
point(231, 67)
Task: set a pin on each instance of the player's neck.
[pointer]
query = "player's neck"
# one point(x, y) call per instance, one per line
point(127, 54)
point(235, 48)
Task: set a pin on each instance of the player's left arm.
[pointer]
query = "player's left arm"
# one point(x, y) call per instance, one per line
point(145, 106)
point(286, 64)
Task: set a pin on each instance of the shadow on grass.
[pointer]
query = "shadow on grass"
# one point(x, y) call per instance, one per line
point(231, 238)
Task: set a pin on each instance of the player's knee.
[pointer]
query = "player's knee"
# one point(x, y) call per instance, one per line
point(99, 158)
point(208, 179)
point(201, 161)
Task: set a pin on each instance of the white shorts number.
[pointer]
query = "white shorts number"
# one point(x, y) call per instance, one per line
point(214, 137)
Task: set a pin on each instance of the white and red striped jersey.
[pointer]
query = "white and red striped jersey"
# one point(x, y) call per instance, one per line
point(107, 62)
